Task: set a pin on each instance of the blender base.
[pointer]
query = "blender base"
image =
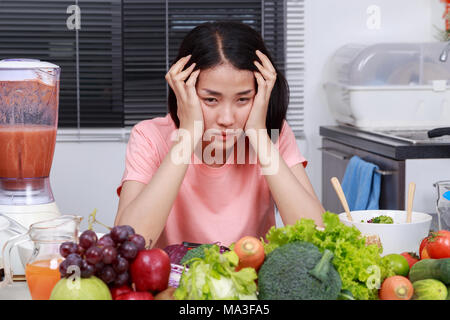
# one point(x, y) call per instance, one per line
point(29, 214)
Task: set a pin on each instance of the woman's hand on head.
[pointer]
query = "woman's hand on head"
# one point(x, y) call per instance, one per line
point(265, 79)
point(189, 109)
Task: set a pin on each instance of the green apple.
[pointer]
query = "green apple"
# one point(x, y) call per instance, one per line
point(91, 288)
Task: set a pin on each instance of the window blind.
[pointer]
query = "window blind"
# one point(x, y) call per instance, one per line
point(144, 56)
point(100, 63)
point(113, 67)
point(295, 61)
point(38, 29)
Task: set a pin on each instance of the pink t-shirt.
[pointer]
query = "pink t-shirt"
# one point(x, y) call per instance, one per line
point(214, 203)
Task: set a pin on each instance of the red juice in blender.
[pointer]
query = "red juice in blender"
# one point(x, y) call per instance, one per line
point(26, 151)
point(29, 97)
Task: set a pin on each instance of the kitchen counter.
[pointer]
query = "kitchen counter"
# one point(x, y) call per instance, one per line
point(399, 162)
point(16, 291)
point(385, 146)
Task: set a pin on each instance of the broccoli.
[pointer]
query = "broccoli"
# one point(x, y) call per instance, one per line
point(298, 271)
point(198, 252)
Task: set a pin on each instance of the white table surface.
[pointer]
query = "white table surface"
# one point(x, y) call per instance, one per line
point(17, 291)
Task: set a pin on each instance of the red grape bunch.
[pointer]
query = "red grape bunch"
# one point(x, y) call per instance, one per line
point(108, 258)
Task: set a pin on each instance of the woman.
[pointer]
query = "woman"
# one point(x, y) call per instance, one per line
point(191, 176)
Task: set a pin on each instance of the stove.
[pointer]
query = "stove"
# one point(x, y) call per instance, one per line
point(438, 136)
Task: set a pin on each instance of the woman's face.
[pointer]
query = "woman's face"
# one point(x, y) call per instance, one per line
point(226, 96)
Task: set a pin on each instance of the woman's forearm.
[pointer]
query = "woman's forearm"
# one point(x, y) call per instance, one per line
point(149, 211)
point(293, 200)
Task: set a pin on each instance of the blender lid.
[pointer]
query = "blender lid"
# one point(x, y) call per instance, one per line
point(26, 64)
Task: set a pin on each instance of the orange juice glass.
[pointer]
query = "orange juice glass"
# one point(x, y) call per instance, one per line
point(42, 275)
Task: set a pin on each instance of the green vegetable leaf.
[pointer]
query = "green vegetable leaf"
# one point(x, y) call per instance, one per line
point(382, 219)
point(214, 277)
point(232, 257)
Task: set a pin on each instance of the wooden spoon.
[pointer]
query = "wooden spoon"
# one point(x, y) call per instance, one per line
point(411, 190)
point(341, 196)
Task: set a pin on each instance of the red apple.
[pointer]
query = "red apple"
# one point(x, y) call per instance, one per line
point(150, 270)
point(117, 291)
point(136, 296)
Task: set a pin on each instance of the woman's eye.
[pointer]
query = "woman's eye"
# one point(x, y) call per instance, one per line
point(210, 100)
point(243, 100)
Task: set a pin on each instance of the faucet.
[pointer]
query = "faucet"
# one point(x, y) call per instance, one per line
point(444, 55)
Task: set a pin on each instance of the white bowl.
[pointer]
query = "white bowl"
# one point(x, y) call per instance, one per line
point(397, 237)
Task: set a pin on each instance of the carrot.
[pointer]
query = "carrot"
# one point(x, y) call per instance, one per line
point(396, 288)
point(250, 251)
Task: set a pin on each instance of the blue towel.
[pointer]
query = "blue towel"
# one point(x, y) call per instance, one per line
point(361, 185)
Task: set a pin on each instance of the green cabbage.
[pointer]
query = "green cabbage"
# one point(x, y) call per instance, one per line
point(360, 266)
point(214, 278)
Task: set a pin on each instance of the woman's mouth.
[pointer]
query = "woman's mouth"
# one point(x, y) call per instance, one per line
point(228, 135)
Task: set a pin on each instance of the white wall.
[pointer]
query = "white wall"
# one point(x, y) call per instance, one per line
point(85, 175)
point(331, 24)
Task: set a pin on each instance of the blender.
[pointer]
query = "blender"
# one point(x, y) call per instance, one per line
point(29, 98)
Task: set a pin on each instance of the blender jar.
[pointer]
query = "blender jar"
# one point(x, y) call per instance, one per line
point(29, 99)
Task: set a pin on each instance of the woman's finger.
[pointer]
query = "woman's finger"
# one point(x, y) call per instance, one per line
point(269, 76)
point(268, 72)
point(175, 78)
point(262, 85)
point(190, 83)
point(175, 88)
point(184, 74)
point(266, 85)
point(179, 87)
point(179, 65)
point(265, 61)
point(259, 79)
point(179, 79)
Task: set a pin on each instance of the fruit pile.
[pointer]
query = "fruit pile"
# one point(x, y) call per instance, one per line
point(120, 259)
point(108, 258)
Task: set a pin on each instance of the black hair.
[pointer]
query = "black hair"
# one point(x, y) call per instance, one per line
point(215, 43)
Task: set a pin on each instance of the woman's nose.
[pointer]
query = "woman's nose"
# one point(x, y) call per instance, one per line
point(226, 117)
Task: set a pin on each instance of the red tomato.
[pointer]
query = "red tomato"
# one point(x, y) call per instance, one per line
point(423, 245)
point(411, 257)
point(438, 246)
